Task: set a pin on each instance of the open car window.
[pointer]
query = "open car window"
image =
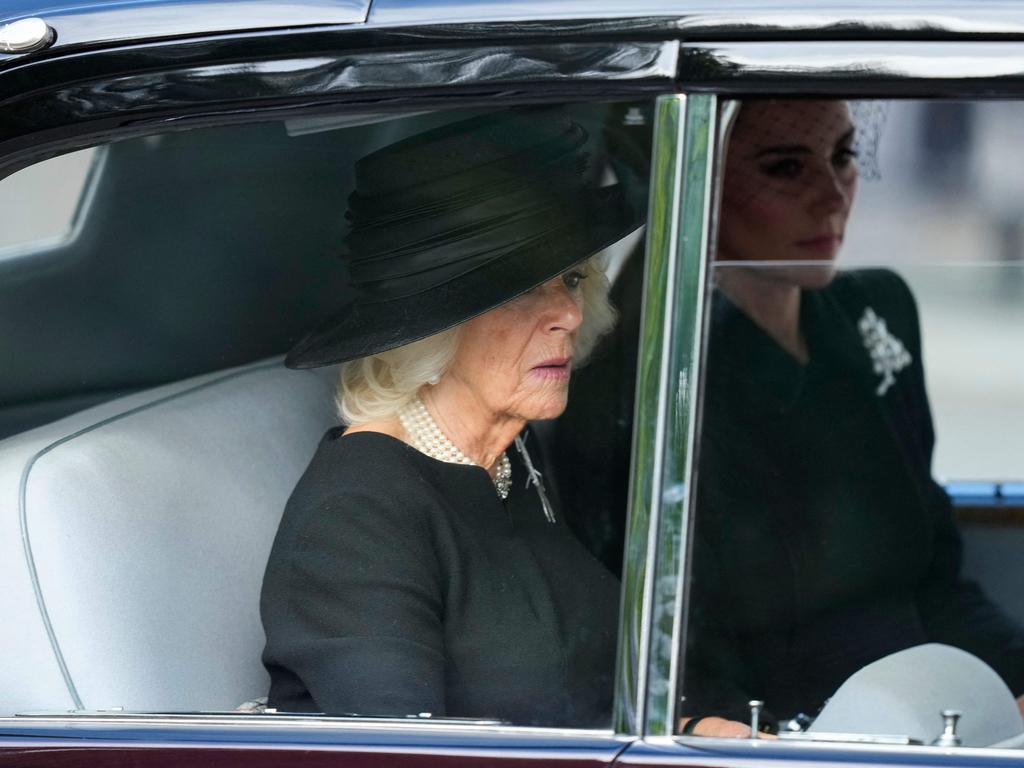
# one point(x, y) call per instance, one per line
point(150, 436)
point(858, 518)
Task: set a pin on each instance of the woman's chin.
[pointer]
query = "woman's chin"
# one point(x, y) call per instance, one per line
point(548, 405)
point(817, 275)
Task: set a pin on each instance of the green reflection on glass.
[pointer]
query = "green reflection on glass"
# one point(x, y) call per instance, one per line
point(654, 329)
point(679, 416)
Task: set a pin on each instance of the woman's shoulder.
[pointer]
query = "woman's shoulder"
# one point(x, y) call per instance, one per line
point(879, 299)
point(360, 500)
point(357, 441)
point(360, 461)
point(366, 484)
point(882, 288)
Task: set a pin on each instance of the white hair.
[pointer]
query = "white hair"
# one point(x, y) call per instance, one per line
point(376, 387)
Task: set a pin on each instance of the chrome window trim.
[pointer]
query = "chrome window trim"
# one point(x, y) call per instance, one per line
point(302, 731)
point(284, 720)
point(732, 752)
point(678, 479)
point(861, 68)
point(725, 112)
point(678, 412)
point(665, 409)
point(648, 417)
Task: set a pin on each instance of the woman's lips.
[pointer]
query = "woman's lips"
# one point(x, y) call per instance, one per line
point(557, 368)
point(825, 244)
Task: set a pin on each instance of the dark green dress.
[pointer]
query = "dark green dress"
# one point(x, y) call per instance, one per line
point(822, 542)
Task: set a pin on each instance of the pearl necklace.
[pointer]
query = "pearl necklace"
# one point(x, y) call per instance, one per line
point(428, 438)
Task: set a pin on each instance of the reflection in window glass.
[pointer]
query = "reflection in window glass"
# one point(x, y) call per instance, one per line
point(950, 196)
point(860, 269)
point(38, 204)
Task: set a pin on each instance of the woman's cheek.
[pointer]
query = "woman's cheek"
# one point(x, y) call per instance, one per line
point(770, 220)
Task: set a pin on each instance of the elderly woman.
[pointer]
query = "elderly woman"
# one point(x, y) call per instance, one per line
point(420, 566)
point(823, 543)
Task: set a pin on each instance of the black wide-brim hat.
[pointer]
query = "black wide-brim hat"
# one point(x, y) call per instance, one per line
point(453, 222)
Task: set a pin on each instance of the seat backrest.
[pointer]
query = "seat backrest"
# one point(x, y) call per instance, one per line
point(133, 538)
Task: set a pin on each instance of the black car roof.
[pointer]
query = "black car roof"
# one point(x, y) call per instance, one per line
point(913, 16)
point(86, 23)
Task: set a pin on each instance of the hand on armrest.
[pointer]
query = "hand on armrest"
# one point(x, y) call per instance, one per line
point(719, 726)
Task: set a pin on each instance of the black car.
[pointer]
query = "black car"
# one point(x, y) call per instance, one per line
point(173, 183)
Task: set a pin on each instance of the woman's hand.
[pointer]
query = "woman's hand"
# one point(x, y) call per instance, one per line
point(722, 728)
point(1020, 705)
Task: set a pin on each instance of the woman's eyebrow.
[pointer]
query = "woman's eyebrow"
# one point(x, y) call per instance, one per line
point(784, 149)
point(800, 149)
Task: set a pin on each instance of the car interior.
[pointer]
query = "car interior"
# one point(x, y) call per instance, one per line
point(149, 433)
point(148, 367)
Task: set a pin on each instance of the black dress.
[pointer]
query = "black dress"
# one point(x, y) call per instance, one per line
point(822, 542)
point(399, 584)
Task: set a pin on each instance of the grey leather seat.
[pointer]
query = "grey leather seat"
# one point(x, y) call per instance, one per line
point(905, 692)
point(133, 538)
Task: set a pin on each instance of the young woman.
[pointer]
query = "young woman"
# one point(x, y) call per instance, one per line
point(823, 543)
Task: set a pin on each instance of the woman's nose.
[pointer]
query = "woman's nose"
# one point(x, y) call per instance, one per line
point(562, 310)
point(831, 193)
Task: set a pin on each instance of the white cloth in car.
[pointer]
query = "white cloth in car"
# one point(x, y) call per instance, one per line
point(904, 693)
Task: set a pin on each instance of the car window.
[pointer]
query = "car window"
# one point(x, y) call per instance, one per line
point(39, 205)
point(858, 523)
point(151, 436)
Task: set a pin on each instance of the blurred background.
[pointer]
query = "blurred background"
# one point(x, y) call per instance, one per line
point(947, 212)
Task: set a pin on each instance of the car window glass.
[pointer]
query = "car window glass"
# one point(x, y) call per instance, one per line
point(150, 435)
point(40, 204)
point(861, 449)
point(946, 205)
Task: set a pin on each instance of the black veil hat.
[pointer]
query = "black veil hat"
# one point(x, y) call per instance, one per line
point(450, 223)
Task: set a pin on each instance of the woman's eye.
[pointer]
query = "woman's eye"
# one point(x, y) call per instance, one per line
point(844, 157)
point(788, 168)
point(573, 279)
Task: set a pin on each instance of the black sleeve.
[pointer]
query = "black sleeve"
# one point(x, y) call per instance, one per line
point(954, 610)
point(358, 615)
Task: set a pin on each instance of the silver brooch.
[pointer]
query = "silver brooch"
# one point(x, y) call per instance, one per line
point(888, 355)
point(534, 478)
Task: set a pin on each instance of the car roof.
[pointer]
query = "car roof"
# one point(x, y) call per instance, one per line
point(86, 23)
point(906, 15)
point(80, 23)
